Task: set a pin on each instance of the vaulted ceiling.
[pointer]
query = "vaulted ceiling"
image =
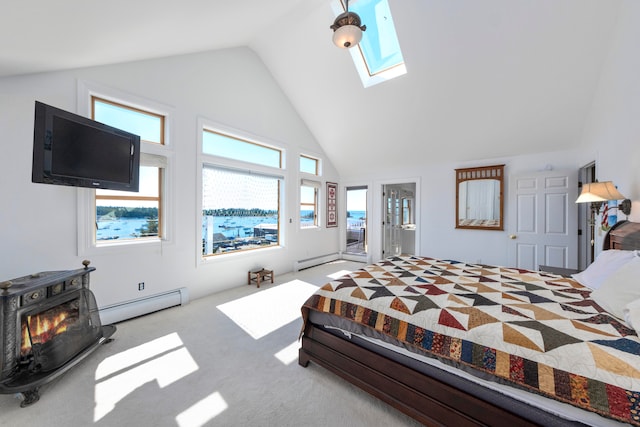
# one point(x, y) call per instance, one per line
point(485, 78)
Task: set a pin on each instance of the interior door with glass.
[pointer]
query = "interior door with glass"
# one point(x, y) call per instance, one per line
point(398, 224)
point(392, 245)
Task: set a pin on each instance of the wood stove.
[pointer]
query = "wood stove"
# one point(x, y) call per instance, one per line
point(49, 322)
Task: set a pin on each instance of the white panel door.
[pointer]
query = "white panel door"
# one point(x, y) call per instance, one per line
point(543, 229)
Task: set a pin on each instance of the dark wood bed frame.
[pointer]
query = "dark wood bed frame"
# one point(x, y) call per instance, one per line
point(426, 399)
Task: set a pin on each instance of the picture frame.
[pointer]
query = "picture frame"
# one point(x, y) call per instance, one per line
point(332, 204)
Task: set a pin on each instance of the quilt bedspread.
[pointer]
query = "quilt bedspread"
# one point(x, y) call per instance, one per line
point(531, 329)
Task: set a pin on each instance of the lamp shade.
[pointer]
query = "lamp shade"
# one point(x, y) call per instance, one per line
point(599, 192)
point(347, 36)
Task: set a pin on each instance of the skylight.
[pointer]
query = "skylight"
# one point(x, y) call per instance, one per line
point(378, 57)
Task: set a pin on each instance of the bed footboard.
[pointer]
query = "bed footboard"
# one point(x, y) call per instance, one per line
point(421, 397)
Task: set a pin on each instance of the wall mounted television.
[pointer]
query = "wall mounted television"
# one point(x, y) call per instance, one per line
point(72, 150)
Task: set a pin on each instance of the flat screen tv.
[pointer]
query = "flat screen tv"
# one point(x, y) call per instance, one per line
point(73, 150)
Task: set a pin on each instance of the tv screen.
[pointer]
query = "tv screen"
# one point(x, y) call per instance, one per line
point(69, 149)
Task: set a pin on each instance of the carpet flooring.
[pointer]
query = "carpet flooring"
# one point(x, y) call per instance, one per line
point(228, 359)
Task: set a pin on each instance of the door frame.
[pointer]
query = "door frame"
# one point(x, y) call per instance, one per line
point(376, 243)
point(351, 256)
point(586, 249)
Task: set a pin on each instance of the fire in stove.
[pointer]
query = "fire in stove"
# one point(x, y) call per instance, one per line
point(53, 335)
point(45, 326)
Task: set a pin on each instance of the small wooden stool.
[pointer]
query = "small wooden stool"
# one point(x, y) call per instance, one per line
point(259, 275)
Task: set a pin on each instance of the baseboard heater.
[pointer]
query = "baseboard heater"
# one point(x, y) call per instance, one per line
point(129, 309)
point(312, 262)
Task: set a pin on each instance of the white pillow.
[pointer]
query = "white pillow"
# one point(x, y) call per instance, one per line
point(606, 263)
point(619, 289)
point(632, 314)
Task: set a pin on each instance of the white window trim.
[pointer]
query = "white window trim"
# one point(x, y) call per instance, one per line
point(240, 166)
point(310, 183)
point(156, 154)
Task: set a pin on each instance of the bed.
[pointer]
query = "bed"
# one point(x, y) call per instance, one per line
point(458, 344)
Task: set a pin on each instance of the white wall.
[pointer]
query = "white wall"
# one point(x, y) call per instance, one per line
point(613, 129)
point(38, 223)
point(436, 230)
point(611, 137)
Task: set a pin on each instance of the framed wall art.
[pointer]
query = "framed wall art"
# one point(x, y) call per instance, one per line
point(332, 204)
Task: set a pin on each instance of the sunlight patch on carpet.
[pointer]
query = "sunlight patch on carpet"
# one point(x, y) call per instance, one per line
point(289, 354)
point(133, 356)
point(267, 310)
point(338, 274)
point(203, 411)
point(164, 360)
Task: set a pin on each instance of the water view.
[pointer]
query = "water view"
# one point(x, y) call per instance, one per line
point(234, 227)
point(120, 228)
point(218, 228)
point(356, 219)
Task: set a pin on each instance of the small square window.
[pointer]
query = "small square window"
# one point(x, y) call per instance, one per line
point(309, 165)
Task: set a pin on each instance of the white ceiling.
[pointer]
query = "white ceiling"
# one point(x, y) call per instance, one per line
point(486, 78)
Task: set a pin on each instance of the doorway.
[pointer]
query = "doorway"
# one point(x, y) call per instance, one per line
point(399, 219)
point(586, 222)
point(356, 220)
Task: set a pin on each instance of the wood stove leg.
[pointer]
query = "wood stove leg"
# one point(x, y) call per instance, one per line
point(30, 397)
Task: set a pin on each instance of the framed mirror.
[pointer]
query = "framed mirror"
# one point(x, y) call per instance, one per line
point(479, 198)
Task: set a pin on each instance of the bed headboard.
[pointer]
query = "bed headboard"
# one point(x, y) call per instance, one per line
point(623, 235)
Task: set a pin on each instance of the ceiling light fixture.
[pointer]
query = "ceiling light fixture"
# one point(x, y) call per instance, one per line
point(347, 29)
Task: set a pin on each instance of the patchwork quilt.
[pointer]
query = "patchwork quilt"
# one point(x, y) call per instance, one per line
point(535, 330)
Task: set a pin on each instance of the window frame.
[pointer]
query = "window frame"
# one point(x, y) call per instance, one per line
point(211, 160)
point(124, 196)
point(315, 185)
point(313, 158)
point(156, 154)
point(241, 139)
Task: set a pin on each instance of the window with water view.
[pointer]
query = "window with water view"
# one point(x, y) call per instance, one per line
point(124, 215)
point(240, 207)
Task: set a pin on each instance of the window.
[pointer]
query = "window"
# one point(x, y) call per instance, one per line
point(123, 215)
point(309, 165)
point(239, 211)
point(227, 146)
point(149, 126)
point(240, 207)
point(407, 211)
point(309, 203)
point(378, 57)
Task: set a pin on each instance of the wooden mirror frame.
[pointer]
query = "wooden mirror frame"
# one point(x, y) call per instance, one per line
point(495, 172)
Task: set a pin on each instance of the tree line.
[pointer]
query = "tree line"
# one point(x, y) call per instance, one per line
point(122, 212)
